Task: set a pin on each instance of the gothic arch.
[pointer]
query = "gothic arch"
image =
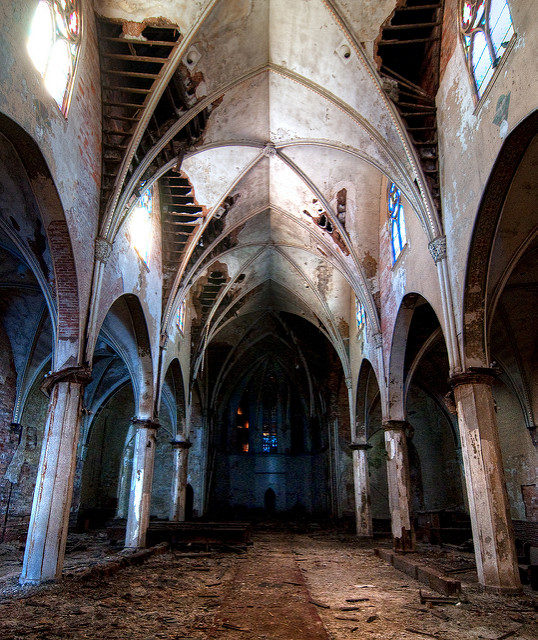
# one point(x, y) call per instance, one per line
point(64, 306)
point(491, 220)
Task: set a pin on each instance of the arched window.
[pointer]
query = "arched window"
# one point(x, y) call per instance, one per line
point(398, 238)
point(180, 318)
point(53, 44)
point(140, 229)
point(486, 29)
point(360, 315)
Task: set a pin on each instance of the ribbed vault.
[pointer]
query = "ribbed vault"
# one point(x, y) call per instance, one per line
point(275, 202)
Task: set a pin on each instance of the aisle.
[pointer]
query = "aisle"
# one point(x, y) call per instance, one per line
point(267, 597)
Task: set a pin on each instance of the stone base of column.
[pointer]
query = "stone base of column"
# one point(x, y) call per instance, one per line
point(406, 543)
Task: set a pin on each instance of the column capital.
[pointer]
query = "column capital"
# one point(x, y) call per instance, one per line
point(359, 446)
point(437, 248)
point(180, 444)
point(474, 375)
point(103, 249)
point(78, 375)
point(145, 423)
point(396, 425)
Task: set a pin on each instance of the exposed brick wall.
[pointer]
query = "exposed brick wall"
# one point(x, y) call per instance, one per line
point(66, 280)
point(450, 34)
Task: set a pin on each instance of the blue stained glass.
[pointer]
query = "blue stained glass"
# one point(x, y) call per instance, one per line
point(180, 317)
point(269, 439)
point(140, 228)
point(501, 30)
point(398, 236)
point(360, 314)
point(486, 27)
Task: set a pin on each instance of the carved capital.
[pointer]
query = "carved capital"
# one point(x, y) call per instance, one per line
point(103, 249)
point(437, 248)
point(474, 375)
point(377, 339)
point(77, 375)
point(180, 444)
point(145, 423)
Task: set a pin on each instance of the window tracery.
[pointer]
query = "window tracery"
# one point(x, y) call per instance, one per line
point(360, 315)
point(486, 30)
point(398, 236)
point(140, 227)
point(53, 44)
point(180, 317)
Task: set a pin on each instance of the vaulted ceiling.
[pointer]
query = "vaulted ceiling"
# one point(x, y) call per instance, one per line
point(268, 130)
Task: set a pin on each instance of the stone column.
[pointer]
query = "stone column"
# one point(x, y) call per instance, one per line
point(361, 482)
point(179, 481)
point(141, 481)
point(496, 559)
point(399, 485)
point(49, 521)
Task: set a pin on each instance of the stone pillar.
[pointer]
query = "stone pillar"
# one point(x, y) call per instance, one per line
point(141, 480)
point(496, 559)
point(49, 521)
point(399, 485)
point(179, 481)
point(361, 482)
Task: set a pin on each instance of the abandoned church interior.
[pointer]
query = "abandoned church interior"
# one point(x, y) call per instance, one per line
point(268, 319)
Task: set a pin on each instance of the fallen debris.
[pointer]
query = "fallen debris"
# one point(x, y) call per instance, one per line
point(421, 633)
point(440, 600)
point(229, 625)
point(319, 604)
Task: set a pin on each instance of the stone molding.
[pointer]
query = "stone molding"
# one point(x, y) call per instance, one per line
point(180, 444)
point(437, 248)
point(377, 339)
point(475, 375)
point(145, 423)
point(396, 425)
point(359, 446)
point(103, 249)
point(77, 375)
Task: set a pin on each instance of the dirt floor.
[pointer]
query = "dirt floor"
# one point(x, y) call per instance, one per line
point(288, 586)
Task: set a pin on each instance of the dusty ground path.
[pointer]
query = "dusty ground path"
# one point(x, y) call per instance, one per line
point(384, 604)
point(287, 587)
point(267, 596)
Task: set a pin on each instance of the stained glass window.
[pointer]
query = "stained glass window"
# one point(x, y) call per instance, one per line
point(486, 29)
point(53, 44)
point(269, 439)
point(360, 314)
point(140, 227)
point(398, 237)
point(269, 433)
point(180, 318)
